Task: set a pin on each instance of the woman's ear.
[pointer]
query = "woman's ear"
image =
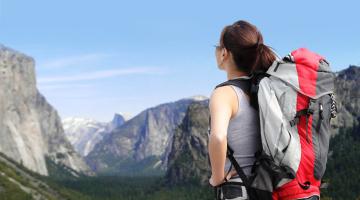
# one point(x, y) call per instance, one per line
point(224, 52)
point(223, 55)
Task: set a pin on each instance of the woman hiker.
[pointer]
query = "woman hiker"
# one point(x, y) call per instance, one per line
point(240, 52)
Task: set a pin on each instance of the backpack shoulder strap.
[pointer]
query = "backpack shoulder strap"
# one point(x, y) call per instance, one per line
point(239, 170)
point(249, 86)
point(243, 84)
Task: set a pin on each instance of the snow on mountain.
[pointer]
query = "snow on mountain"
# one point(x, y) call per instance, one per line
point(198, 97)
point(85, 133)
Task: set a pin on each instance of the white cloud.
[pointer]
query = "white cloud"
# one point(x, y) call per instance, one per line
point(49, 87)
point(73, 60)
point(101, 74)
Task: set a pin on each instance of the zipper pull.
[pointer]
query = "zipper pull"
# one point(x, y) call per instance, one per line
point(321, 111)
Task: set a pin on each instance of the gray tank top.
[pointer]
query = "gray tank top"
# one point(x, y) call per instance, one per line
point(243, 133)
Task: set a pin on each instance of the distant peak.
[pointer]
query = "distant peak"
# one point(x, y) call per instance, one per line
point(198, 97)
point(118, 117)
point(6, 49)
point(125, 116)
point(350, 73)
point(354, 67)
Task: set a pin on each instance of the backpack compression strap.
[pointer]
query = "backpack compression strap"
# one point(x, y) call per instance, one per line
point(238, 169)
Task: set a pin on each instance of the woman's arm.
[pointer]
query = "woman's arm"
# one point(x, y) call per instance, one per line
point(220, 106)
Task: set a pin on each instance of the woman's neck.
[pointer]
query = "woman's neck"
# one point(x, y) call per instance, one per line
point(235, 74)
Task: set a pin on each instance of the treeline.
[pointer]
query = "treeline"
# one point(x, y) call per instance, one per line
point(139, 188)
point(343, 168)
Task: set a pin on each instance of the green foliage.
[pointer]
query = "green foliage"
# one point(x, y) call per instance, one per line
point(126, 188)
point(60, 172)
point(130, 167)
point(11, 191)
point(38, 184)
point(343, 167)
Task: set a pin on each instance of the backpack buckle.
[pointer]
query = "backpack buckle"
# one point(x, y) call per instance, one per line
point(289, 58)
point(308, 111)
point(294, 121)
point(311, 107)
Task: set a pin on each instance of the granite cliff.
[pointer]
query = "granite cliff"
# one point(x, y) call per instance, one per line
point(30, 128)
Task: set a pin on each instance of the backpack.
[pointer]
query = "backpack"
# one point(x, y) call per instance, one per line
point(295, 99)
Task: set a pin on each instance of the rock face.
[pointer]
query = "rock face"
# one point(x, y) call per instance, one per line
point(30, 128)
point(348, 97)
point(84, 134)
point(188, 159)
point(117, 121)
point(142, 144)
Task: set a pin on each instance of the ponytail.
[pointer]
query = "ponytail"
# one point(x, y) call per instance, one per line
point(265, 57)
point(245, 43)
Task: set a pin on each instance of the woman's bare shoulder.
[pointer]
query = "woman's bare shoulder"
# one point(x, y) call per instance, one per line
point(222, 92)
point(221, 95)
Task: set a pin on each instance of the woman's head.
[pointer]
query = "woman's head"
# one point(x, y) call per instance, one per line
point(242, 44)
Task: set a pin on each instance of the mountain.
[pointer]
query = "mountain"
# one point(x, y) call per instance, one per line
point(142, 144)
point(348, 97)
point(117, 121)
point(84, 134)
point(30, 128)
point(188, 159)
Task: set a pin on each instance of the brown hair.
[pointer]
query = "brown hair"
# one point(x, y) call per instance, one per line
point(245, 42)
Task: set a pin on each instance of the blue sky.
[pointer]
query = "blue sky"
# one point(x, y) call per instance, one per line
point(95, 58)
